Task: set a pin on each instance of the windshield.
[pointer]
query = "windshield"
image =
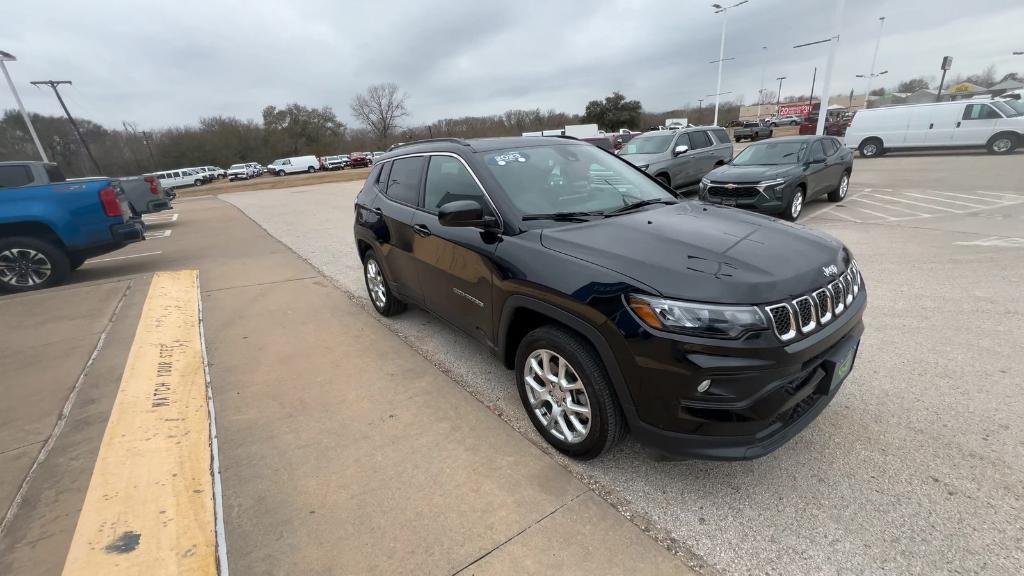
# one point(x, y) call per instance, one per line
point(771, 153)
point(235, 166)
point(653, 144)
point(1017, 106)
point(560, 178)
point(1006, 109)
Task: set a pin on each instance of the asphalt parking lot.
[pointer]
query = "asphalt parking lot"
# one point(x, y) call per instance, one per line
point(915, 468)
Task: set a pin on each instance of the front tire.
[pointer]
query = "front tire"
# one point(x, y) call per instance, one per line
point(31, 264)
point(197, 182)
point(1004, 143)
point(310, 169)
point(871, 148)
point(378, 289)
point(665, 180)
point(795, 206)
point(839, 194)
point(567, 394)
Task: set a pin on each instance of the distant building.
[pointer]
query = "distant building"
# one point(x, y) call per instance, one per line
point(922, 96)
point(1005, 86)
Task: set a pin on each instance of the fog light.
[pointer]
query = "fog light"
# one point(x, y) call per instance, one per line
point(703, 386)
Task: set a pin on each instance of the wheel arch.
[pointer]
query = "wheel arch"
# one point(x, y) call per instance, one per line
point(522, 314)
point(1018, 138)
point(32, 229)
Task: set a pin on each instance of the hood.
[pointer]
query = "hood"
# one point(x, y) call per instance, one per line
point(733, 173)
point(643, 159)
point(705, 253)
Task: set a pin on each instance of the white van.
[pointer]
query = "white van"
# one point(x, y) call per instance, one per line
point(180, 177)
point(960, 124)
point(293, 165)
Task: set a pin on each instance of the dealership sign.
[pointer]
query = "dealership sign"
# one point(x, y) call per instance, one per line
point(795, 110)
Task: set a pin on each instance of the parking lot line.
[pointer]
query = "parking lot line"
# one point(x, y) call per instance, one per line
point(160, 218)
point(158, 234)
point(887, 206)
point(880, 215)
point(959, 195)
point(123, 257)
point(913, 202)
point(149, 508)
point(949, 201)
point(998, 193)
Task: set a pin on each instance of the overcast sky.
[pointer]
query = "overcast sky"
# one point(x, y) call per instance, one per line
point(169, 63)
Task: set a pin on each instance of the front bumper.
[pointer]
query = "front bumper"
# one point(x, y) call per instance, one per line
point(760, 397)
point(768, 201)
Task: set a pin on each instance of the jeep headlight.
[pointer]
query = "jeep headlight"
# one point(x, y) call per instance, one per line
point(697, 319)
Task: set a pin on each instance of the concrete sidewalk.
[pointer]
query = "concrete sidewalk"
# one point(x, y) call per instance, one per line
point(345, 452)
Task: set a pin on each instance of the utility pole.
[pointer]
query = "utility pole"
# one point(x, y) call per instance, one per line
point(54, 84)
point(871, 74)
point(724, 11)
point(147, 140)
point(8, 57)
point(833, 41)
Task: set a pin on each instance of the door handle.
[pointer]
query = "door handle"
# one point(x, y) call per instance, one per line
point(421, 230)
point(957, 124)
point(377, 211)
point(932, 125)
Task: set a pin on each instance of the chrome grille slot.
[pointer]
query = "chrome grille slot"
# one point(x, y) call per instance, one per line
point(824, 300)
point(847, 286)
point(838, 297)
point(782, 320)
point(805, 314)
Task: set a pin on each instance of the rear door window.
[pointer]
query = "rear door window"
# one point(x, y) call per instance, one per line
point(15, 176)
point(404, 180)
point(721, 136)
point(699, 140)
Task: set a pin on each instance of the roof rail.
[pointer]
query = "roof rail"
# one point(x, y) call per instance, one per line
point(459, 141)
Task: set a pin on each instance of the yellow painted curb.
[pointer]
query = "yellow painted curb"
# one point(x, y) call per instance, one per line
point(149, 507)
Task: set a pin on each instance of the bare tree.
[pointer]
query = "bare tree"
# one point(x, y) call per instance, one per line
point(379, 109)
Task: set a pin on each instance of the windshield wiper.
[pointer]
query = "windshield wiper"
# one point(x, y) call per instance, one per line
point(640, 204)
point(562, 216)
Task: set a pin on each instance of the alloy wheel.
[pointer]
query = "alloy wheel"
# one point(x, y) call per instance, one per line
point(797, 205)
point(870, 149)
point(375, 283)
point(1002, 145)
point(24, 267)
point(844, 186)
point(557, 396)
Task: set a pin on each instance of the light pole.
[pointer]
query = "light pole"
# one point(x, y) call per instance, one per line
point(874, 58)
point(7, 57)
point(869, 77)
point(760, 92)
point(778, 97)
point(724, 11)
point(826, 87)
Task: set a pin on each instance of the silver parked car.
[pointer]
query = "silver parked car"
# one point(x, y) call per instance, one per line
point(679, 158)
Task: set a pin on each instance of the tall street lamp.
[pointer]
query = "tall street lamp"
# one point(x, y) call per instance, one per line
point(869, 77)
point(724, 11)
point(8, 57)
point(778, 98)
point(874, 58)
point(837, 20)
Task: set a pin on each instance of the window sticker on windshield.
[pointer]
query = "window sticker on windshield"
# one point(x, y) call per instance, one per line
point(507, 157)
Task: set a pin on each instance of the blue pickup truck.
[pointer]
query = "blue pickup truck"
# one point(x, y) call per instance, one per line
point(49, 225)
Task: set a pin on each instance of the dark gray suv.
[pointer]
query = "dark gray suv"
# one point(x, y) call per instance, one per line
point(679, 158)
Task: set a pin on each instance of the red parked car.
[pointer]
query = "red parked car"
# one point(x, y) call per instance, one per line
point(358, 161)
point(832, 127)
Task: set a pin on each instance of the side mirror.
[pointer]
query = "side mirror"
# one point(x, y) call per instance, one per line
point(680, 150)
point(464, 214)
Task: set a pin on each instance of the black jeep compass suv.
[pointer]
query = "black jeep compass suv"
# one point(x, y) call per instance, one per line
point(706, 331)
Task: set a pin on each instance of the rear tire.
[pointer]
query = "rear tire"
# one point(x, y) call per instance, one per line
point(28, 263)
point(280, 172)
point(377, 287)
point(197, 182)
point(310, 169)
point(1003, 143)
point(560, 399)
point(839, 194)
point(871, 148)
point(75, 261)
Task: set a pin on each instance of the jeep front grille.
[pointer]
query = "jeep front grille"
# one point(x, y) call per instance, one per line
point(807, 313)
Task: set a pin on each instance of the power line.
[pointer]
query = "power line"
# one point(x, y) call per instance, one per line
point(54, 84)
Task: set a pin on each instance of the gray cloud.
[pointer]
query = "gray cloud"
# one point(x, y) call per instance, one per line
point(163, 63)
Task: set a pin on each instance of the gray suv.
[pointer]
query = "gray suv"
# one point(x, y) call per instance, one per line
point(679, 158)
